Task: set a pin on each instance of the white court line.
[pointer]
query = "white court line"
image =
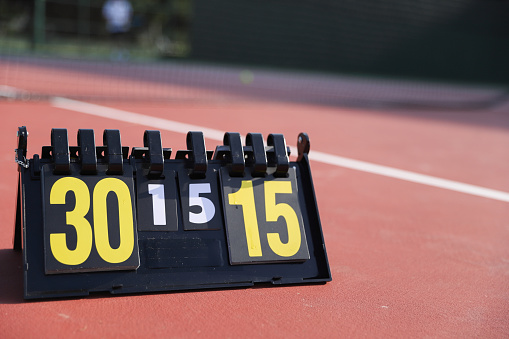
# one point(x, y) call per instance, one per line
point(135, 118)
point(213, 134)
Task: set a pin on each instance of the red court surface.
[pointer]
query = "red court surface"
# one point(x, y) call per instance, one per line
point(407, 259)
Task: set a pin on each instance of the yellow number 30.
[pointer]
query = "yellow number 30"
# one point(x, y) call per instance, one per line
point(76, 218)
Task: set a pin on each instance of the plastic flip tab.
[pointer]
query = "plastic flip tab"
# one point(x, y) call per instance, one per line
point(278, 155)
point(87, 152)
point(197, 154)
point(152, 141)
point(60, 150)
point(113, 153)
point(256, 157)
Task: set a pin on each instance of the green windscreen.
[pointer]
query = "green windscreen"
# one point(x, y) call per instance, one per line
point(321, 51)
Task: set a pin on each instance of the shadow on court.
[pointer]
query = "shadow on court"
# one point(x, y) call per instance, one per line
point(11, 277)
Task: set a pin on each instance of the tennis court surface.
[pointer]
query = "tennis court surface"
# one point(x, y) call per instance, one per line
point(411, 180)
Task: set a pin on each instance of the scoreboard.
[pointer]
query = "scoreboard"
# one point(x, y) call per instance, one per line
point(110, 218)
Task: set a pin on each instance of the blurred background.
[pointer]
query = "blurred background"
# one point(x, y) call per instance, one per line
point(189, 42)
point(415, 85)
point(78, 28)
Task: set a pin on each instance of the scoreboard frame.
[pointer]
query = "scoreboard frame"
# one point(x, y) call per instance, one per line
point(109, 219)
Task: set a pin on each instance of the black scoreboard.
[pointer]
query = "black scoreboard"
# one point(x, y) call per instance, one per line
point(106, 218)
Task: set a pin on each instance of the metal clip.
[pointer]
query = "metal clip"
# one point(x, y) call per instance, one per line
point(22, 163)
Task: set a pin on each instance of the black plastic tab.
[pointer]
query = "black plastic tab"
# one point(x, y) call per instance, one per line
point(278, 156)
point(257, 159)
point(198, 154)
point(302, 145)
point(87, 152)
point(235, 157)
point(221, 153)
point(154, 155)
point(35, 169)
point(113, 153)
point(139, 153)
point(60, 150)
point(21, 151)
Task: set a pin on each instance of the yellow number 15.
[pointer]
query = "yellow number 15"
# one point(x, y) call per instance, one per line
point(76, 218)
point(245, 197)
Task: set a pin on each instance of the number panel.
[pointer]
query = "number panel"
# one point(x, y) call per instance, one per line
point(200, 201)
point(76, 202)
point(146, 205)
point(275, 212)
